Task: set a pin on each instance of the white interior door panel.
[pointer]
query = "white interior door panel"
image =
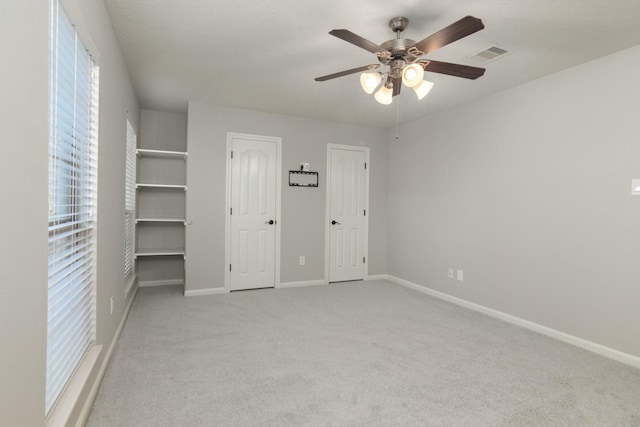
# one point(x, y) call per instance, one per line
point(253, 214)
point(348, 198)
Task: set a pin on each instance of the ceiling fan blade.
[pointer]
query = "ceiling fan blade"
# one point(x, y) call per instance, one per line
point(456, 70)
point(459, 29)
point(397, 85)
point(347, 72)
point(355, 39)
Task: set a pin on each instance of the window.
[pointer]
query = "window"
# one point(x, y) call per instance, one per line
point(72, 203)
point(130, 203)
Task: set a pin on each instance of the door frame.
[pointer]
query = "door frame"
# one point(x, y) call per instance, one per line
point(227, 215)
point(327, 229)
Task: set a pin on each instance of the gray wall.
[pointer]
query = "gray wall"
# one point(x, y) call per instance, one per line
point(303, 209)
point(23, 294)
point(160, 130)
point(23, 171)
point(528, 192)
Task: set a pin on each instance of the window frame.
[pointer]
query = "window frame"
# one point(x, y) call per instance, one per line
point(73, 202)
point(131, 147)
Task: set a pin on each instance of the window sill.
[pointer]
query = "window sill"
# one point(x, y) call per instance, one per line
point(62, 411)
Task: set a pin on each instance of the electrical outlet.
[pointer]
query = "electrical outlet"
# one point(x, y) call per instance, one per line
point(112, 305)
point(460, 275)
point(450, 273)
point(302, 260)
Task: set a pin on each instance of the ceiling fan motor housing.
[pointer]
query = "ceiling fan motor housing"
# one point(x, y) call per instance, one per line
point(398, 47)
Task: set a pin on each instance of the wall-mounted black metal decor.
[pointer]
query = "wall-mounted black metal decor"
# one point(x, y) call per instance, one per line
point(303, 179)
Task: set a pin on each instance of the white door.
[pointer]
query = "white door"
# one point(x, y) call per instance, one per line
point(253, 220)
point(348, 197)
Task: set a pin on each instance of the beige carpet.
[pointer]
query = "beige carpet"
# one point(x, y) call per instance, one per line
point(349, 354)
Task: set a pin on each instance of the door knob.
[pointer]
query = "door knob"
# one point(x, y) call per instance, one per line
point(270, 222)
point(334, 222)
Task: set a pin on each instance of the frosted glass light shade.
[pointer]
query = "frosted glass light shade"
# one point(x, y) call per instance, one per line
point(384, 95)
point(412, 75)
point(370, 81)
point(423, 88)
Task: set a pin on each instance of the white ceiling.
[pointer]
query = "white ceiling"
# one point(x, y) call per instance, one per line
point(264, 55)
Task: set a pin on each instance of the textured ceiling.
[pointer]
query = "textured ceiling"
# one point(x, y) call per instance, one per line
point(264, 55)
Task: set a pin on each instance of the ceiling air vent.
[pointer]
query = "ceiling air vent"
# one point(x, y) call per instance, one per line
point(488, 55)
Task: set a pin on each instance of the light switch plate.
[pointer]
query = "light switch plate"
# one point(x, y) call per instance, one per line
point(635, 187)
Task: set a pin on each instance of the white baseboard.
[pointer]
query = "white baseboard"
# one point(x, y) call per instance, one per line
point(149, 283)
point(208, 291)
point(602, 350)
point(300, 284)
point(378, 277)
point(88, 404)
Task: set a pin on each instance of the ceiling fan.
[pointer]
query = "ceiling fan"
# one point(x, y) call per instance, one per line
point(403, 57)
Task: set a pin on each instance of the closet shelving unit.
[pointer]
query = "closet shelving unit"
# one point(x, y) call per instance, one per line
point(161, 214)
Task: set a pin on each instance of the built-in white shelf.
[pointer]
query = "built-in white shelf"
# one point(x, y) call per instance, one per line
point(166, 186)
point(178, 220)
point(160, 252)
point(143, 152)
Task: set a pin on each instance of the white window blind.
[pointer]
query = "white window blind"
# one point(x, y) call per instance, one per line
point(72, 204)
point(130, 202)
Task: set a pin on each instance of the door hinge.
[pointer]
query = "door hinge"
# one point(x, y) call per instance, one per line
point(230, 211)
point(365, 212)
point(229, 267)
point(232, 154)
point(365, 165)
point(363, 260)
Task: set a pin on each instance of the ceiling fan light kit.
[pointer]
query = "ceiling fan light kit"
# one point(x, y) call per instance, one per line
point(384, 95)
point(403, 57)
point(412, 75)
point(423, 88)
point(370, 81)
